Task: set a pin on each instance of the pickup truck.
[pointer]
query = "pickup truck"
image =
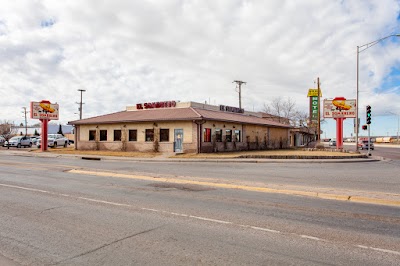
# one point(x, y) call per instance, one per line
point(54, 140)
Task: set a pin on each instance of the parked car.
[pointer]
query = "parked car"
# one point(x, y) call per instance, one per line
point(54, 140)
point(363, 144)
point(332, 142)
point(18, 141)
point(34, 140)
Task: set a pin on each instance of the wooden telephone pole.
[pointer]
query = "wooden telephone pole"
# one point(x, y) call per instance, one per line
point(239, 82)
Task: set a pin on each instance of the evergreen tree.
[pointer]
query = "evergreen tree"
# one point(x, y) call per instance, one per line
point(60, 130)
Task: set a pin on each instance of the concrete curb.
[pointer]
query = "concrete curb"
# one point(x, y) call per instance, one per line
point(277, 159)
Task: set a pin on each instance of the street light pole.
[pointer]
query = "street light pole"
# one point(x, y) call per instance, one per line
point(357, 125)
point(398, 122)
point(26, 123)
point(363, 48)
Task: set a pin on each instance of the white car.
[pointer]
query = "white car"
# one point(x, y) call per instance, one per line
point(54, 140)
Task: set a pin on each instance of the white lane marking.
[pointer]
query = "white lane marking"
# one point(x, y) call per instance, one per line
point(386, 250)
point(104, 201)
point(189, 216)
point(179, 214)
point(380, 249)
point(210, 220)
point(152, 210)
point(264, 229)
point(310, 237)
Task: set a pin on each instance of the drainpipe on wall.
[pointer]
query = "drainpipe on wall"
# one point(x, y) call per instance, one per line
point(76, 130)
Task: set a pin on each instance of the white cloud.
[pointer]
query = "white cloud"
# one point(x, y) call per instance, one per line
point(125, 52)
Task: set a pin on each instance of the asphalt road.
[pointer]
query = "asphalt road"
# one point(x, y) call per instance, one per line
point(55, 211)
point(389, 151)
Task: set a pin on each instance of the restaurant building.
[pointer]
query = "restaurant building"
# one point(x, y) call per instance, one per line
point(186, 127)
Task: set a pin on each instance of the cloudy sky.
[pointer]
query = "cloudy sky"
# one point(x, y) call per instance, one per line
point(124, 52)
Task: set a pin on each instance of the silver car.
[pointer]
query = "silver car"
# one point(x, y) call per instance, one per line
point(19, 141)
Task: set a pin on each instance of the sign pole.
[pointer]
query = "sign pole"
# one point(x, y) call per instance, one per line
point(45, 112)
point(339, 132)
point(44, 134)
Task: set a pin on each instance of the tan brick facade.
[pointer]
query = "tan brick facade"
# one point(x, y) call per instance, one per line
point(225, 131)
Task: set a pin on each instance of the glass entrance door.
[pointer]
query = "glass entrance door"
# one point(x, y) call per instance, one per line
point(178, 140)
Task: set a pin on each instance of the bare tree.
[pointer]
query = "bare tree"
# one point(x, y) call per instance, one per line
point(284, 109)
point(303, 119)
point(7, 130)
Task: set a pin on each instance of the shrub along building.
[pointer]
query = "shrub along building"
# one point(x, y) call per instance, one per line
point(180, 127)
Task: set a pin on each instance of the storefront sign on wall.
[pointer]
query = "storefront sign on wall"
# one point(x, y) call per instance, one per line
point(230, 109)
point(152, 105)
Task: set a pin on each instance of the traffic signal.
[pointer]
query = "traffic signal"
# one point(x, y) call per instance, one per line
point(368, 114)
point(364, 127)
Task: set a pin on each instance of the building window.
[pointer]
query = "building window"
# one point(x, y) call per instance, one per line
point(228, 135)
point(207, 135)
point(236, 136)
point(218, 135)
point(103, 135)
point(132, 135)
point(92, 134)
point(164, 135)
point(149, 134)
point(117, 135)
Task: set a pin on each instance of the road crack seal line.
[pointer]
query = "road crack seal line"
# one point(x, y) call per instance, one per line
point(321, 195)
point(53, 208)
point(204, 219)
point(106, 245)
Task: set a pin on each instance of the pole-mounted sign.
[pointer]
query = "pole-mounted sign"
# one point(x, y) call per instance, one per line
point(339, 109)
point(45, 112)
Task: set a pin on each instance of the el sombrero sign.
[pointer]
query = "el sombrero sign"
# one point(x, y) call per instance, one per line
point(44, 110)
point(339, 108)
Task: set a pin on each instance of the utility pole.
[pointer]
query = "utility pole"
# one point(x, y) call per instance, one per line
point(239, 82)
point(26, 123)
point(80, 104)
